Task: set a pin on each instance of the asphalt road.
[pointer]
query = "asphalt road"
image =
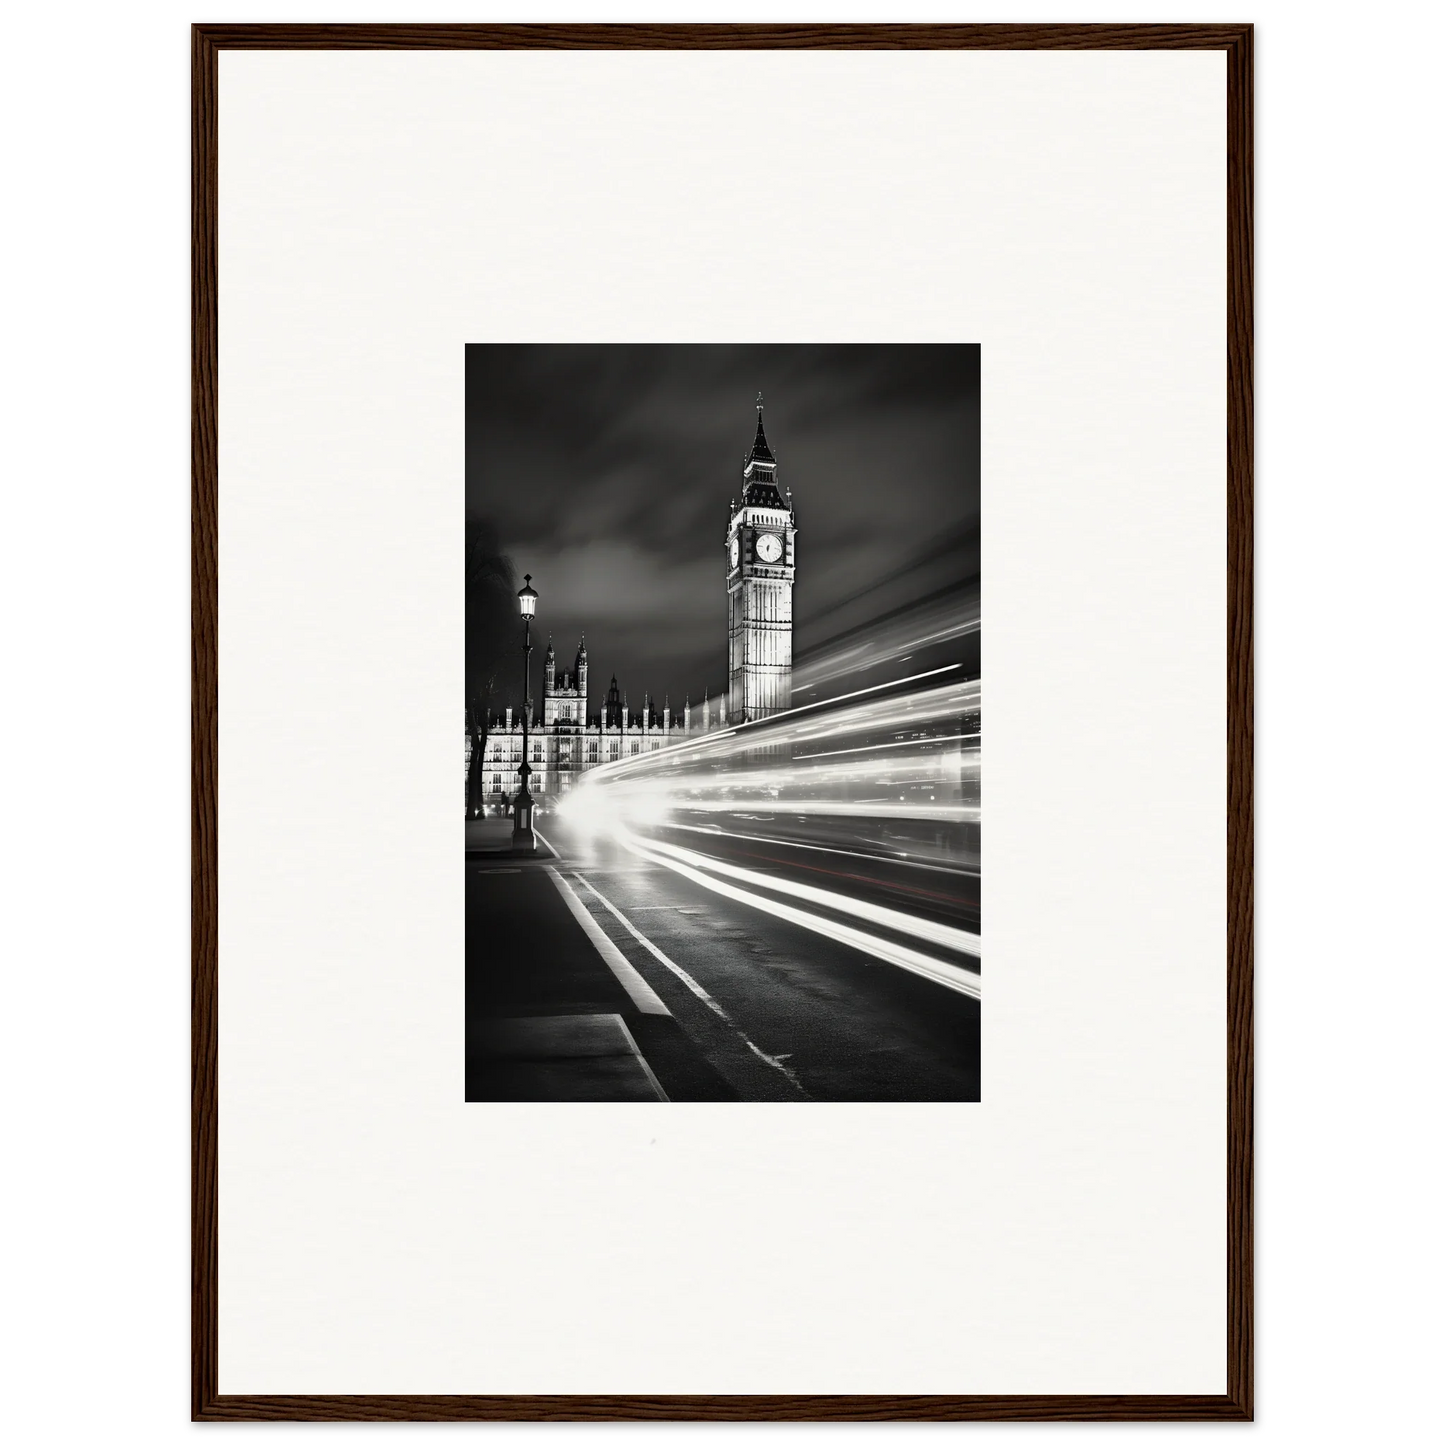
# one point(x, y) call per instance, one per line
point(760, 1007)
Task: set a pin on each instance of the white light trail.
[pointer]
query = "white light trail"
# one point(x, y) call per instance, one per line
point(711, 830)
point(948, 975)
point(890, 640)
point(877, 687)
point(797, 724)
point(880, 747)
point(876, 756)
point(940, 934)
point(920, 810)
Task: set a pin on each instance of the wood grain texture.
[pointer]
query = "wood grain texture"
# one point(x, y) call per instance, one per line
point(1240, 722)
point(1238, 1401)
point(722, 37)
point(723, 1407)
point(204, 657)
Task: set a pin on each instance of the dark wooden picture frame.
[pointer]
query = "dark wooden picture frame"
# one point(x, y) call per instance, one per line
point(1237, 1403)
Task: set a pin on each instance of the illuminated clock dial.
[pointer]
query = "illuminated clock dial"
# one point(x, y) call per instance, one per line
point(770, 547)
point(733, 552)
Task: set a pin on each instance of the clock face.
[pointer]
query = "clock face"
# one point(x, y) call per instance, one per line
point(770, 547)
point(733, 552)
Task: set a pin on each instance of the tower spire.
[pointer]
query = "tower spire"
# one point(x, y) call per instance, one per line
point(761, 452)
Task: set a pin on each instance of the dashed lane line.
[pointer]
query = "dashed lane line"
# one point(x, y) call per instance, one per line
point(773, 1060)
point(653, 949)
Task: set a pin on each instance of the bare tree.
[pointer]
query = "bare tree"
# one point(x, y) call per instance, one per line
point(492, 639)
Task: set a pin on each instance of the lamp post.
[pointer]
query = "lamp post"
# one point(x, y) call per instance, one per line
point(523, 839)
point(476, 778)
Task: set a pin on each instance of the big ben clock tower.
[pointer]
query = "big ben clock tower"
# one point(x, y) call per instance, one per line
point(760, 567)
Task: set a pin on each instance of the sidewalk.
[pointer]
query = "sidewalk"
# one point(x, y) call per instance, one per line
point(548, 1017)
point(559, 1057)
point(493, 837)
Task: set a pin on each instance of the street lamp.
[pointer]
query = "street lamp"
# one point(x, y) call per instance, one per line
point(523, 840)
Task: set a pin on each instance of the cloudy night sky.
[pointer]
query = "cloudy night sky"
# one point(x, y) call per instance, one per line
point(608, 470)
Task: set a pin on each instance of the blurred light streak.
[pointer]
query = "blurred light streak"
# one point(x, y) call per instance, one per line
point(920, 810)
point(879, 747)
point(939, 934)
point(711, 830)
point(921, 928)
point(925, 775)
point(932, 621)
point(913, 711)
point(907, 709)
point(949, 975)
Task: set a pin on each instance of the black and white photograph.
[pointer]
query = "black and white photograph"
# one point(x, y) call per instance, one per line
point(722, 723)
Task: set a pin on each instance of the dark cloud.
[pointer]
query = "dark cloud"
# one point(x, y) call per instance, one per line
point(606, 472)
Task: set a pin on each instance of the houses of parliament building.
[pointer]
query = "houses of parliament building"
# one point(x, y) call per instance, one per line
point(567, 740)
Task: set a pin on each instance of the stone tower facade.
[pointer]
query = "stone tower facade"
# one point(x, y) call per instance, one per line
point(760, 559)
point(564, 703)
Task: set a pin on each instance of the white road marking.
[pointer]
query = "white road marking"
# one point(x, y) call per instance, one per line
point(947, 974)
point(775, 1060)
point(638, 988)
point(652, 948)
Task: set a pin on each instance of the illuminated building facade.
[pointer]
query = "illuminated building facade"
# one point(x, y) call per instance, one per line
point(564, 740)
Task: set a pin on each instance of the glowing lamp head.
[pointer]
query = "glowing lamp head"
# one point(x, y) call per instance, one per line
point(527, 598)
